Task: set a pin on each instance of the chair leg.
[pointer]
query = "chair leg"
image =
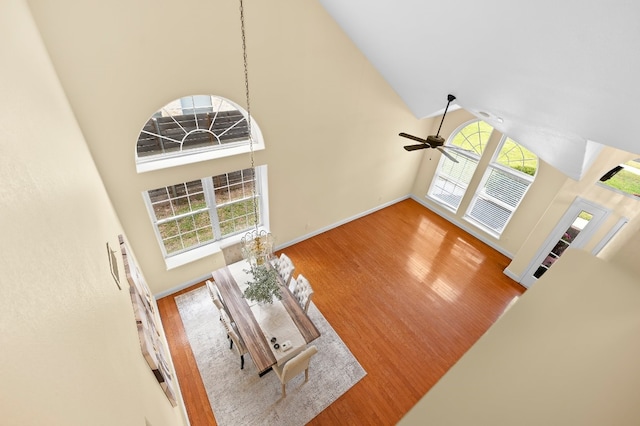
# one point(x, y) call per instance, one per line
point(242, 362)
point(306, 374)
point(284, 390)
point(231, 344)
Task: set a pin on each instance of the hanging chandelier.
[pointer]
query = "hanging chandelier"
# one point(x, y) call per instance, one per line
point(257, 244)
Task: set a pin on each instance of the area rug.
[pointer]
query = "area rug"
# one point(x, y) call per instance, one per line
point(241, 397)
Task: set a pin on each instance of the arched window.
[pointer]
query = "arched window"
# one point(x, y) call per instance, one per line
point(194, 128)
point(503, 186)
point(198, 217)
point(452, 179)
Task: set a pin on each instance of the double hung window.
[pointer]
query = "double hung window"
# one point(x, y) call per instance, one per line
point(504, 184)
point(191, 214)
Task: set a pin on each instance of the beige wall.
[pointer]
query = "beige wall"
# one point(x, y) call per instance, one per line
point(329, 120)
point(69, 347)
point(565, 354)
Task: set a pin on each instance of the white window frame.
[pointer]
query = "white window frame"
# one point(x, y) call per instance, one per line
point(482, 195)
point(193, 253)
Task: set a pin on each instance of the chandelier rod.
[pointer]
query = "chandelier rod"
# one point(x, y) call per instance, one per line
point(246, 87)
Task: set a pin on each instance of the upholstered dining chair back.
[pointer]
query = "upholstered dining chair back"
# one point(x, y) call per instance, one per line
point(213, 292)
point(232, 253)
point(303, 292)
point(285, 268)
point(295, 366)
point(240, 347)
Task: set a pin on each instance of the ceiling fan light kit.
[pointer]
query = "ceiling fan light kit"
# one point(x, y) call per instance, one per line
point(433, 141)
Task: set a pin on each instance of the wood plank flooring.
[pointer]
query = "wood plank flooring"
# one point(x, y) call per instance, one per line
point(407, 292)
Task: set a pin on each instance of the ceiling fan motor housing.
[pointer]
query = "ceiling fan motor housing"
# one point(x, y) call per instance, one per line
point(435, 140)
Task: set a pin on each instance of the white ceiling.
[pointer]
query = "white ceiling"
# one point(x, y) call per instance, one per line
point(563, 75)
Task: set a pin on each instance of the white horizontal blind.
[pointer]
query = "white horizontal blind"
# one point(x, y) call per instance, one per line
point(497, 198)
point(452, 179)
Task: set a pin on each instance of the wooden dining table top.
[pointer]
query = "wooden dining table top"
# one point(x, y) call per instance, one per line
point(248, 326)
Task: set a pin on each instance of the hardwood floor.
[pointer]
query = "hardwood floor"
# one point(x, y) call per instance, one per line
point(407, 292)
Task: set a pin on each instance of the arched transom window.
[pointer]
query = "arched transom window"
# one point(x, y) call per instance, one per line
point(194, 128)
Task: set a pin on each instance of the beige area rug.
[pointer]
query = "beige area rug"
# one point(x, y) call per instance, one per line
point(241, 397)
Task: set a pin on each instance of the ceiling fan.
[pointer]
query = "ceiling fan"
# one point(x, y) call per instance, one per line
point(433, 141)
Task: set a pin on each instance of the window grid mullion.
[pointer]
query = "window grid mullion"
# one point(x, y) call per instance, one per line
point(210, 198)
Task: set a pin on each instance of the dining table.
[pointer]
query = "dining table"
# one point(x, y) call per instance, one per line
point(273, 332)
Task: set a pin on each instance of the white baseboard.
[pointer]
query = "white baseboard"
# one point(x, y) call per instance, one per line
point(342, 222)
point(511, 275)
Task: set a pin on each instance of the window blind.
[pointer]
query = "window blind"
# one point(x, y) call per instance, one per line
point(497, 198)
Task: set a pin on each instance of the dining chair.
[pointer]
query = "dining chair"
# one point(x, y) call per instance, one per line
point(232, 253)
point(233, 336)
point(214, 293)
point(285, 268)
point(295, 366)
point(302, 291)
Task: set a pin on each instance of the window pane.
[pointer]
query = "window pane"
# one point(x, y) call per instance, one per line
point(163, 210)
point(173, 245)
point(505, 187)
point(450, 185)
point(234, 186)
point(473, 136)
point(236, 217)
point(168, 229)
point(517, 157)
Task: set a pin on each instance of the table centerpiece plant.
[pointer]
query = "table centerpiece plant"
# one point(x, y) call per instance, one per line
point(264, 286)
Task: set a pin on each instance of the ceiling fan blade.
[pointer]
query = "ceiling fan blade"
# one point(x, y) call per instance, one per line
point(449, 156)
point(415, 147)
point(415, 138)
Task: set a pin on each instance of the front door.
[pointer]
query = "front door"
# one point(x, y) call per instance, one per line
point(575, 229)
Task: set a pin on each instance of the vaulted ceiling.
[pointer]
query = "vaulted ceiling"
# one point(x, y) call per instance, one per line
point(559, 76)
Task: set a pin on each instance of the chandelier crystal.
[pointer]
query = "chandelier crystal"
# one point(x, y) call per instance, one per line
point(257, 247)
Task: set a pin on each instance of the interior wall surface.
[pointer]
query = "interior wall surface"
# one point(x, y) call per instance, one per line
point(565, 353)
point(329, 120)
point(70, 351)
